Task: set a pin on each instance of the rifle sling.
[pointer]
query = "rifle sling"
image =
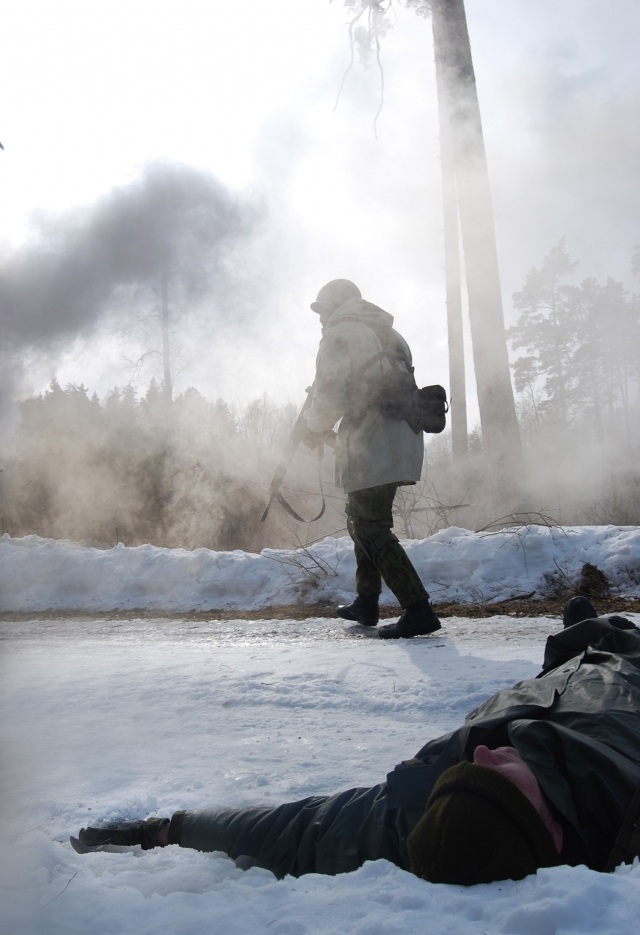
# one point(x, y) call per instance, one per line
point(287, 506)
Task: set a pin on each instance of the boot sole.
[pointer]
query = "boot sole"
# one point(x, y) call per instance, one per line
point(396, 635)
point(353, 619)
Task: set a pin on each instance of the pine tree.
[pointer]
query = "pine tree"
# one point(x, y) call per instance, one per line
point(546, 328)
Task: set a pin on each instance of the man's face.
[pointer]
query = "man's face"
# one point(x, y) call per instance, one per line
point(508, 762)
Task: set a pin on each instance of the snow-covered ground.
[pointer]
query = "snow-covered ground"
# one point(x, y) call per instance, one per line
point(105, 718)
point(456, 565)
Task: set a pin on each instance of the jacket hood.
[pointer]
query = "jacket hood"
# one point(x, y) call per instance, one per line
point(362, 310)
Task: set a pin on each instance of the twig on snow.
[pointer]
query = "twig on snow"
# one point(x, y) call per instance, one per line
point(61, 891)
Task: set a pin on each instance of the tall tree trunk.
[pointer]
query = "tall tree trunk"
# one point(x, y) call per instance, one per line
point(457, 381)
point(166, 354)
point(459, 102)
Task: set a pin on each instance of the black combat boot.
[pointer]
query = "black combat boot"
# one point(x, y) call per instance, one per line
point(364, 610)
point(416, 620)
point(123, 834)
point(576, 610)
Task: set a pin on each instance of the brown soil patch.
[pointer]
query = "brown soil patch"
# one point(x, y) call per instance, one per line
point(511, 608)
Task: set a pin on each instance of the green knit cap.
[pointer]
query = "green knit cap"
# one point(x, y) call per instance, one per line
point(479, 827)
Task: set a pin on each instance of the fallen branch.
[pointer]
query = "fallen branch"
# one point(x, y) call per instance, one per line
point(430, 509)
point(511, 520)
point(516, 597)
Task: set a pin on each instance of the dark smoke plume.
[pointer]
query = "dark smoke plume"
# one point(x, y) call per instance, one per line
point(174, 221)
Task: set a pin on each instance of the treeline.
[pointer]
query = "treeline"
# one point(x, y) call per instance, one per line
point(196, 473)
point(581, 360)
point(133, 470)
point(576, 369)
point(578, 381)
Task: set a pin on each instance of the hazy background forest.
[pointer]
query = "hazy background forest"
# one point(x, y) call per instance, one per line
point(161, 244)
point(193, 472)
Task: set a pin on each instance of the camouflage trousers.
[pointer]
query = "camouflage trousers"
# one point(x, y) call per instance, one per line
point(379, 555)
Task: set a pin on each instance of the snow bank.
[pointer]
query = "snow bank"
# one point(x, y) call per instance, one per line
point(455, 564)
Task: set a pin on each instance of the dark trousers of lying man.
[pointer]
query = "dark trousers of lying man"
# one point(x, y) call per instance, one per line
point(541, 774)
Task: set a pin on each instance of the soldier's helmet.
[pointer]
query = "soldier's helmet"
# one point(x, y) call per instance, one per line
point(334, 294)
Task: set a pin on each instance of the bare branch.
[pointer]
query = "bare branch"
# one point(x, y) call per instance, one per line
point(381, 105)
point(369, 37)
point(353, 52)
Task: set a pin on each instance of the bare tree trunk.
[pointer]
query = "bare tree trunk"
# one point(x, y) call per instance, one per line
point(459, 102)
point(457, 381)
point(166, 355)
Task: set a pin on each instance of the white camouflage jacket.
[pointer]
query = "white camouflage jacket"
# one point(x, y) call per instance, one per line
point(376, 450)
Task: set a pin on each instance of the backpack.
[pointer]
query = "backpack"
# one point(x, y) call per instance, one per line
point(395, 394)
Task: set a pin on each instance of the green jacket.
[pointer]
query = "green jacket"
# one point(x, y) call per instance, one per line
point(376, 450)
point(577, 725)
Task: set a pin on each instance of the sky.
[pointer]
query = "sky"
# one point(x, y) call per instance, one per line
point(94, 93)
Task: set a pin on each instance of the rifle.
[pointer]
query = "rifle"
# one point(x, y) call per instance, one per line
point(298, 433)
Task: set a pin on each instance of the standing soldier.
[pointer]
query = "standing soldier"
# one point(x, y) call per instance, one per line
point(374, 454)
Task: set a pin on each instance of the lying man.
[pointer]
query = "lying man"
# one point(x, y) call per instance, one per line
point(541, 774)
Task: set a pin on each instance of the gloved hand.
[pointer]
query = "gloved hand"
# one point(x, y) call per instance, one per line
point(313, 439)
